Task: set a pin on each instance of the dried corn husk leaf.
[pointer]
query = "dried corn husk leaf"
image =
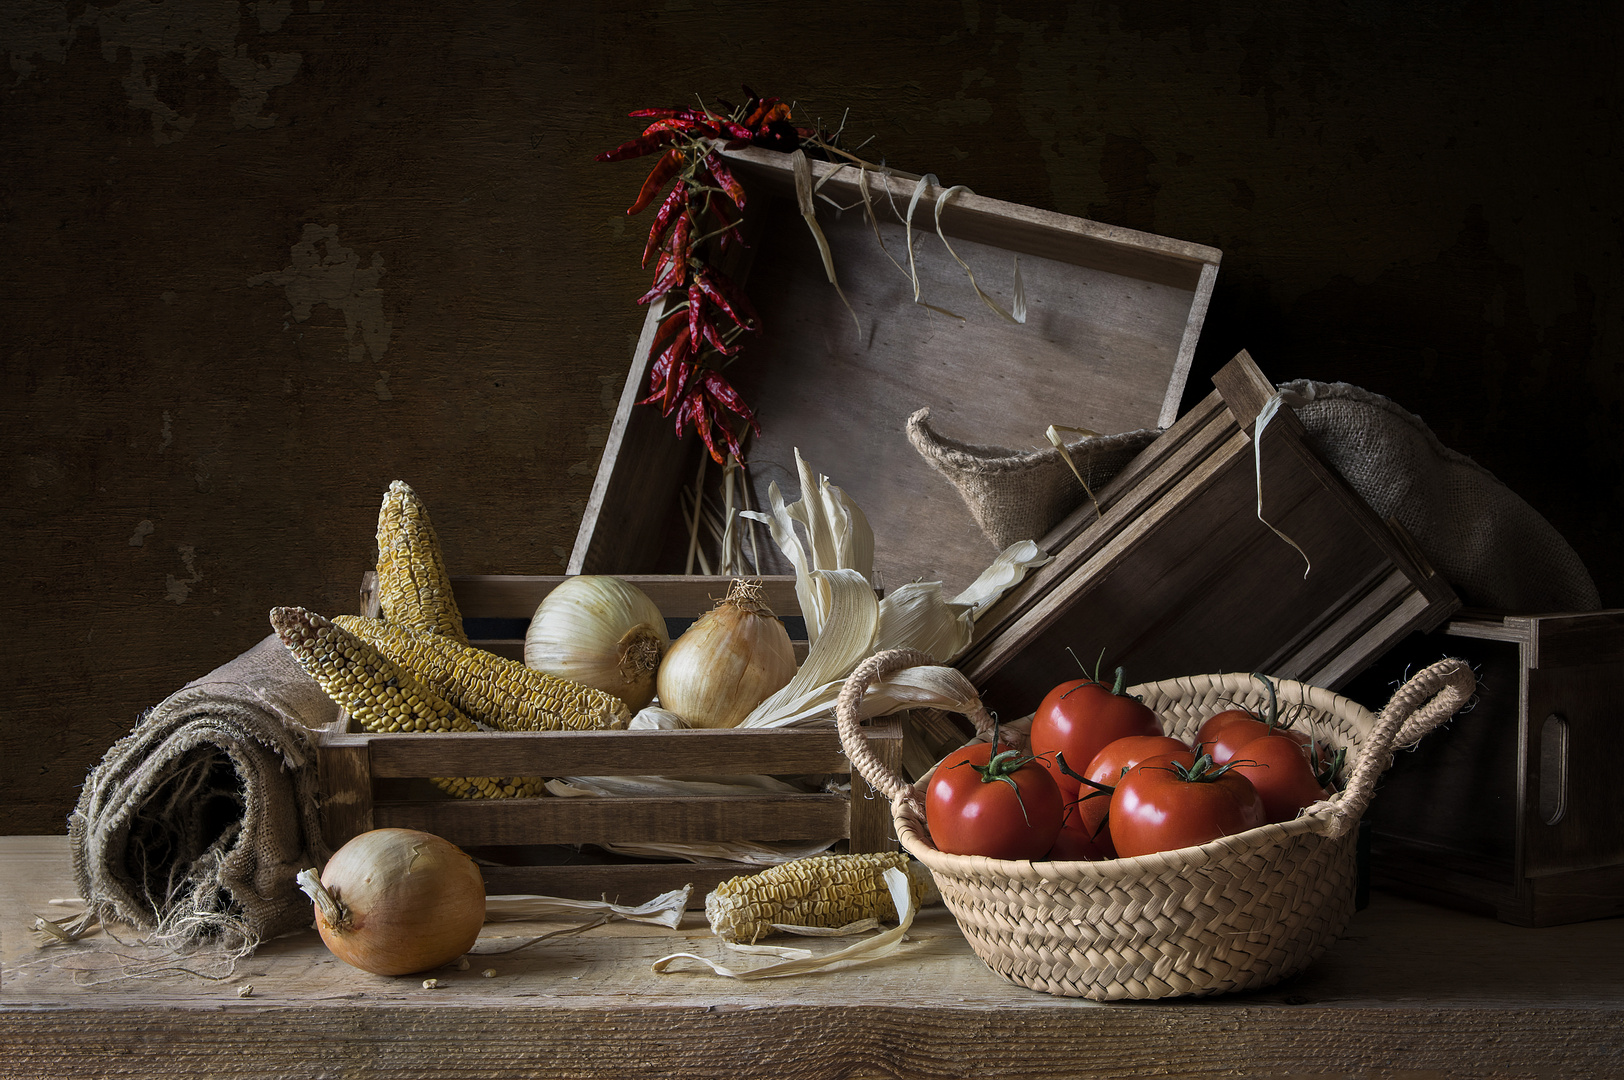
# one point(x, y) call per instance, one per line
point(916, 615)
point(852, 618)
point(838, 537)
point(802, 169)
point(665, 909)
point(1017, 312)
point(1002, 575)
point(802, 961)
point(1270, 408)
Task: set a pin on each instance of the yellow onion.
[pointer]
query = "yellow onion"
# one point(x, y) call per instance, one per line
point(734, 657)
point(602, 632)
point(397, 901)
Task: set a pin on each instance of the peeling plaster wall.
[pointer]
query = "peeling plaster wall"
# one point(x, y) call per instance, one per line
point(263, 258)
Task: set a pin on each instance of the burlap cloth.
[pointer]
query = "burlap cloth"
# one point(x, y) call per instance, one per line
point(193, 826)
point(1490, 545)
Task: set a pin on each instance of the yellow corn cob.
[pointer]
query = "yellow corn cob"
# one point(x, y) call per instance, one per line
point(414, 589)
point(826, 891)
point(489, 688)
point(381, 695)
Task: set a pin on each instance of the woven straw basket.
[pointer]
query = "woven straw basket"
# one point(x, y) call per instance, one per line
point(1239, 913)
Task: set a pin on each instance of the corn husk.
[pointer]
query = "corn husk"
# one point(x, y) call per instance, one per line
point(794, 961)
point(826, 537)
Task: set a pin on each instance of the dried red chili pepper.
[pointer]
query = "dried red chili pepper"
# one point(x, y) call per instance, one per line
point(664, 216)
point(719, 291)
point(696, 313)
point(725, 178)
point(643, 144)
point(664, 169)
point(713, 338)
point(669, 274)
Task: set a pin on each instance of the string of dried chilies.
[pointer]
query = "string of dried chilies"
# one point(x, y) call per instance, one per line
point(700, 331)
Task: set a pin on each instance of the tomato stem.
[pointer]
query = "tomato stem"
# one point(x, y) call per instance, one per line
point(1272, 718)
point(1099, 788)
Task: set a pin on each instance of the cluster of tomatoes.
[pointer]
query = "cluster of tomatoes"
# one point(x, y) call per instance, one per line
point(1104, 781)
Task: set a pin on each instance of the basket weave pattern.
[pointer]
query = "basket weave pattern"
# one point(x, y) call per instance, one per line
point(1239, 913)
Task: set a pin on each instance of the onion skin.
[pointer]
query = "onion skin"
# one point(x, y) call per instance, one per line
point(398, 901)
point(731, 659)
point(602, 632)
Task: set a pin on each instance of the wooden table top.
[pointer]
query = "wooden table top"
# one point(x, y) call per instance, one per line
point(1410, 991)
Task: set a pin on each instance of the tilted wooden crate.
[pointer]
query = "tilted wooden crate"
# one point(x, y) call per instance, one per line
point(1176, 573)
point(1113, 320)
point(535, 845)
point(1513, 810)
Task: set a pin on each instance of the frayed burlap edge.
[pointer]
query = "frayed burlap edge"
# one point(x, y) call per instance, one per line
point(1019, 495)
point(153, 841)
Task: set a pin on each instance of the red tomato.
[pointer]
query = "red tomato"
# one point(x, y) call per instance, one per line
point(1214, 726)
point(1076, 843)
point(1078, 718)
point(1279, 769)
point(1087, 813)
point(1161, 806)
point(1003, 807)
point(1225, 734)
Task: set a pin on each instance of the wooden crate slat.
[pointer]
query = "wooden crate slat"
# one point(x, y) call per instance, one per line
point(1179, 575)
point(515, 596)
point(601, 753)
point(344, 779)
point(1115, 317)
point(1485, 813)
point(668, 820)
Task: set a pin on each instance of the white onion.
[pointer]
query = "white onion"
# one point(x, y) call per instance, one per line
point(602, 632)
point(397, 901)
point(731, 659)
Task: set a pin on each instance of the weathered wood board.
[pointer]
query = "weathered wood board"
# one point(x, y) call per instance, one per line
point(1113, 318)
point(1177, 573)
point(1412, 992)
point(535, 845)
point(1512, 810)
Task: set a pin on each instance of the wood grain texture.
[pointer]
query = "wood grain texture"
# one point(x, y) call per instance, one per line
point(1497, 812)
point(1410, 991)
point(1185, 572)
point(834, 375)
point(1419, 200)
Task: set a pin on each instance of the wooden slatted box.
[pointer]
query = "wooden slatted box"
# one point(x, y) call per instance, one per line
point(546, 845)
point(1513, 810)
point(1175, 574)
point(1113, 320)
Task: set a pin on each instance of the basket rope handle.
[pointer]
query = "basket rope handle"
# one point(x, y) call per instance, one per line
point(1430, 697)
point(848, 718)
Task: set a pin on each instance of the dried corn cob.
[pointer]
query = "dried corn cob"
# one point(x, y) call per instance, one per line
point(824, 891)
point(489, 688)
point(414, 589)
point(381, 695)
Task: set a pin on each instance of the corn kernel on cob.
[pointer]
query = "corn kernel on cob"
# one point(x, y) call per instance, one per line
point(826, 891)
point(414, 589)
point(489, 688)
point(381, 695)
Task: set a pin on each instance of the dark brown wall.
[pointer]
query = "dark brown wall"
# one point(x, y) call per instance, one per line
point(263, 258)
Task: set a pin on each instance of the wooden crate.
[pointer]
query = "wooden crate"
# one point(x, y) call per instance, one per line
point(1512, 810)
point(1177, 575)
point(1114, 317)
point(532, 845)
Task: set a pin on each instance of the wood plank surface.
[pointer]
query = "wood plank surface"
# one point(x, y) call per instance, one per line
point(1106, 346)
point(622, 820)
point(1411, 992)
point(602, 753)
